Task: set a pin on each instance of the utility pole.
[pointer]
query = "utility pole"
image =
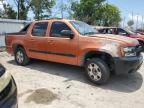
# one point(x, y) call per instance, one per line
point(137, 22)
point(18, 10)
point(142, 22)
point(106, 21)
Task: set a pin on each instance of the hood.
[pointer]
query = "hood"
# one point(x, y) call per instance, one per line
point(137, 36)
point(121, 39)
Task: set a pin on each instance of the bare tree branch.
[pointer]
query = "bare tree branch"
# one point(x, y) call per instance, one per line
point(16, 2)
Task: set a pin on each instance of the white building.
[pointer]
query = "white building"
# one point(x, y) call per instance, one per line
point(8, 26)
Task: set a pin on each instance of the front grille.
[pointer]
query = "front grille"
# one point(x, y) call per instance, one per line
point(6, 91)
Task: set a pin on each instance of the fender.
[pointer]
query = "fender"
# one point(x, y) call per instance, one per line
point(17, 43)
point(81, 59)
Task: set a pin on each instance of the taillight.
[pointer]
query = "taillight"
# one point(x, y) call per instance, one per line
point(5, 40)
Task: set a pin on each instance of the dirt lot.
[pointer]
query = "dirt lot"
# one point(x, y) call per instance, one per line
point(49, 85)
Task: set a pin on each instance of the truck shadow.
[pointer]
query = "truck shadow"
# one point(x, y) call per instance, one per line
point(126, 83)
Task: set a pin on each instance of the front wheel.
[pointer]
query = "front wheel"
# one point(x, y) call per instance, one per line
point(97, 71)
point(142, 44)
point(21, 57)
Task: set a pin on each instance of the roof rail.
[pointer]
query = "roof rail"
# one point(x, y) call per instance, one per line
point(53, 18)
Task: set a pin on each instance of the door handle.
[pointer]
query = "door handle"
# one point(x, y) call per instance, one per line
point(50, 41)
point(32, 39)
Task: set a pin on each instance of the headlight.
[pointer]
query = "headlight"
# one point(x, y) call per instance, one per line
point(4, 80)
point(129, 51)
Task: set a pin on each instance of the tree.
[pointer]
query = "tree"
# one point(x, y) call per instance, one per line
point(65, 8)
point(110, 15)
point(86, 10)
point(22, 9)
point(1, 13)
point(41, 8)
point(130, 23)
point(96, 12)
point(8, 12)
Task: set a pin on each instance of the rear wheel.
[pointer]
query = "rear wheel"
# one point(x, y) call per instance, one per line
point(97, 71)
point(21, 57)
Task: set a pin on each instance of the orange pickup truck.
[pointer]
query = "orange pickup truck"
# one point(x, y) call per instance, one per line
point(76, 43)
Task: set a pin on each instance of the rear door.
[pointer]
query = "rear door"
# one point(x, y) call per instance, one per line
point(37, 40)
point(62, 48)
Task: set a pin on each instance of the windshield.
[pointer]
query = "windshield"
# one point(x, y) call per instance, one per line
point(83, 28)
point(130, 32)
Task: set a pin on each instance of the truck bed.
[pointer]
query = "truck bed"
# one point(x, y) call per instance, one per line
point(11, 38)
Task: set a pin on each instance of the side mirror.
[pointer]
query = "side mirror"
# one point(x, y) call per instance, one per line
point(67, 33)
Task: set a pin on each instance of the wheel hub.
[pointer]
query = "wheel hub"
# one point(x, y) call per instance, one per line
point(20, 57)
point(94, 72)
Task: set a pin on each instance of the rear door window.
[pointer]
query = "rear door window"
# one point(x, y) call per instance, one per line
point(40, 29)
point(25, 29)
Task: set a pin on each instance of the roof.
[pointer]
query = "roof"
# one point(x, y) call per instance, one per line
point(56, 19)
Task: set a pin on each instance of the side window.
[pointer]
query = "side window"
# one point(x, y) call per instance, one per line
point(57, 27)
point(101, 30)
point(40, 29)
point(25, 29)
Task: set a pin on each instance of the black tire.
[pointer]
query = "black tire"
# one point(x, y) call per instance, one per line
point(25, 60)
point(102, 68)
point(142, 44)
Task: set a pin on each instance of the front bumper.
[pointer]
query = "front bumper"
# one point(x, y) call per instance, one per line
point(127, 64)
point(8, 97)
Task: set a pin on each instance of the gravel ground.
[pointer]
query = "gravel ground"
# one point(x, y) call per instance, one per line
point(50, 85)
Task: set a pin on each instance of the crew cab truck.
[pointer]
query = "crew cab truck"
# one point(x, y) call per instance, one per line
point(75, 43)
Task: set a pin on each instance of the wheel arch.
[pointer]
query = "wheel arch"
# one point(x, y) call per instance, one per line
point(98, 54)
point(16, 46)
